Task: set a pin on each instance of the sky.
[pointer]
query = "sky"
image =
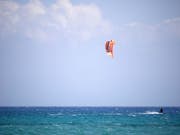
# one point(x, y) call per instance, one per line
point(52, 53)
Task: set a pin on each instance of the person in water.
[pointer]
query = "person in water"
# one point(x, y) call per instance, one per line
point(161, 110)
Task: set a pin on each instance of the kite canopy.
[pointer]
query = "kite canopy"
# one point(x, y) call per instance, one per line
point(109, 47)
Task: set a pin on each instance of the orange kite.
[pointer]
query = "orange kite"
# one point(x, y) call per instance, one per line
point(109, 47)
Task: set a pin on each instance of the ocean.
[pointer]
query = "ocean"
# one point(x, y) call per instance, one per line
point(89, 121)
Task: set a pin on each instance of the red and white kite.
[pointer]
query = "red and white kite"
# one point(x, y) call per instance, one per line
point(109, 47)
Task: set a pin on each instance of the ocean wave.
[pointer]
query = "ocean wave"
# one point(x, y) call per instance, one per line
point(151, 113)
point(116, 114)
point(132, 115)
point(55, 114)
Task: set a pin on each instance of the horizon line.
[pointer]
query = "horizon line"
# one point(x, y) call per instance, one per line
point(93, 106)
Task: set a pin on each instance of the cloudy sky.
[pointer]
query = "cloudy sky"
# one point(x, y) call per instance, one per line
point(52, 53)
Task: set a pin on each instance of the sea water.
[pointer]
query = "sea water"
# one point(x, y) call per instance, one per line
point(89, 121)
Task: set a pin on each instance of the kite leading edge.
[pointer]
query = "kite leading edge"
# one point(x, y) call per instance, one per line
point(109, 47)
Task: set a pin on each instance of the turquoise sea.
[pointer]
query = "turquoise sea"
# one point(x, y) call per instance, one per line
point(89, 121)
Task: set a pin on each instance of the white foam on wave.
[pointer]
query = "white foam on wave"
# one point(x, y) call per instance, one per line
point(112, 114)
point(151, 112)
point(55, 114)
point(132, 115)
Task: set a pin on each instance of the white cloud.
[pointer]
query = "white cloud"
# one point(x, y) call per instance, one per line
point(172, 27)
point(8, 16)
point(142, 33)
point(33, 8)
point(36, 20)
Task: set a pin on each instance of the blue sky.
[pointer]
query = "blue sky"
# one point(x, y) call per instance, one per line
point(52, 53)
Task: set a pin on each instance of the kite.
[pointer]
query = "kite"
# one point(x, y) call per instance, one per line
point(109, 47)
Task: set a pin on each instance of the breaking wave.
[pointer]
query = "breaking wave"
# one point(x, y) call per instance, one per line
point(151, 113)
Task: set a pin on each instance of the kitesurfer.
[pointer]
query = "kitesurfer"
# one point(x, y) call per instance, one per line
point(161, 110)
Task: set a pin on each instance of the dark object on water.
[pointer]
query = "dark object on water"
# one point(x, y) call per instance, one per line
point(161, 110)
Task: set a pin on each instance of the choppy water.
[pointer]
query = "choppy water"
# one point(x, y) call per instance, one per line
point(89, 121)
